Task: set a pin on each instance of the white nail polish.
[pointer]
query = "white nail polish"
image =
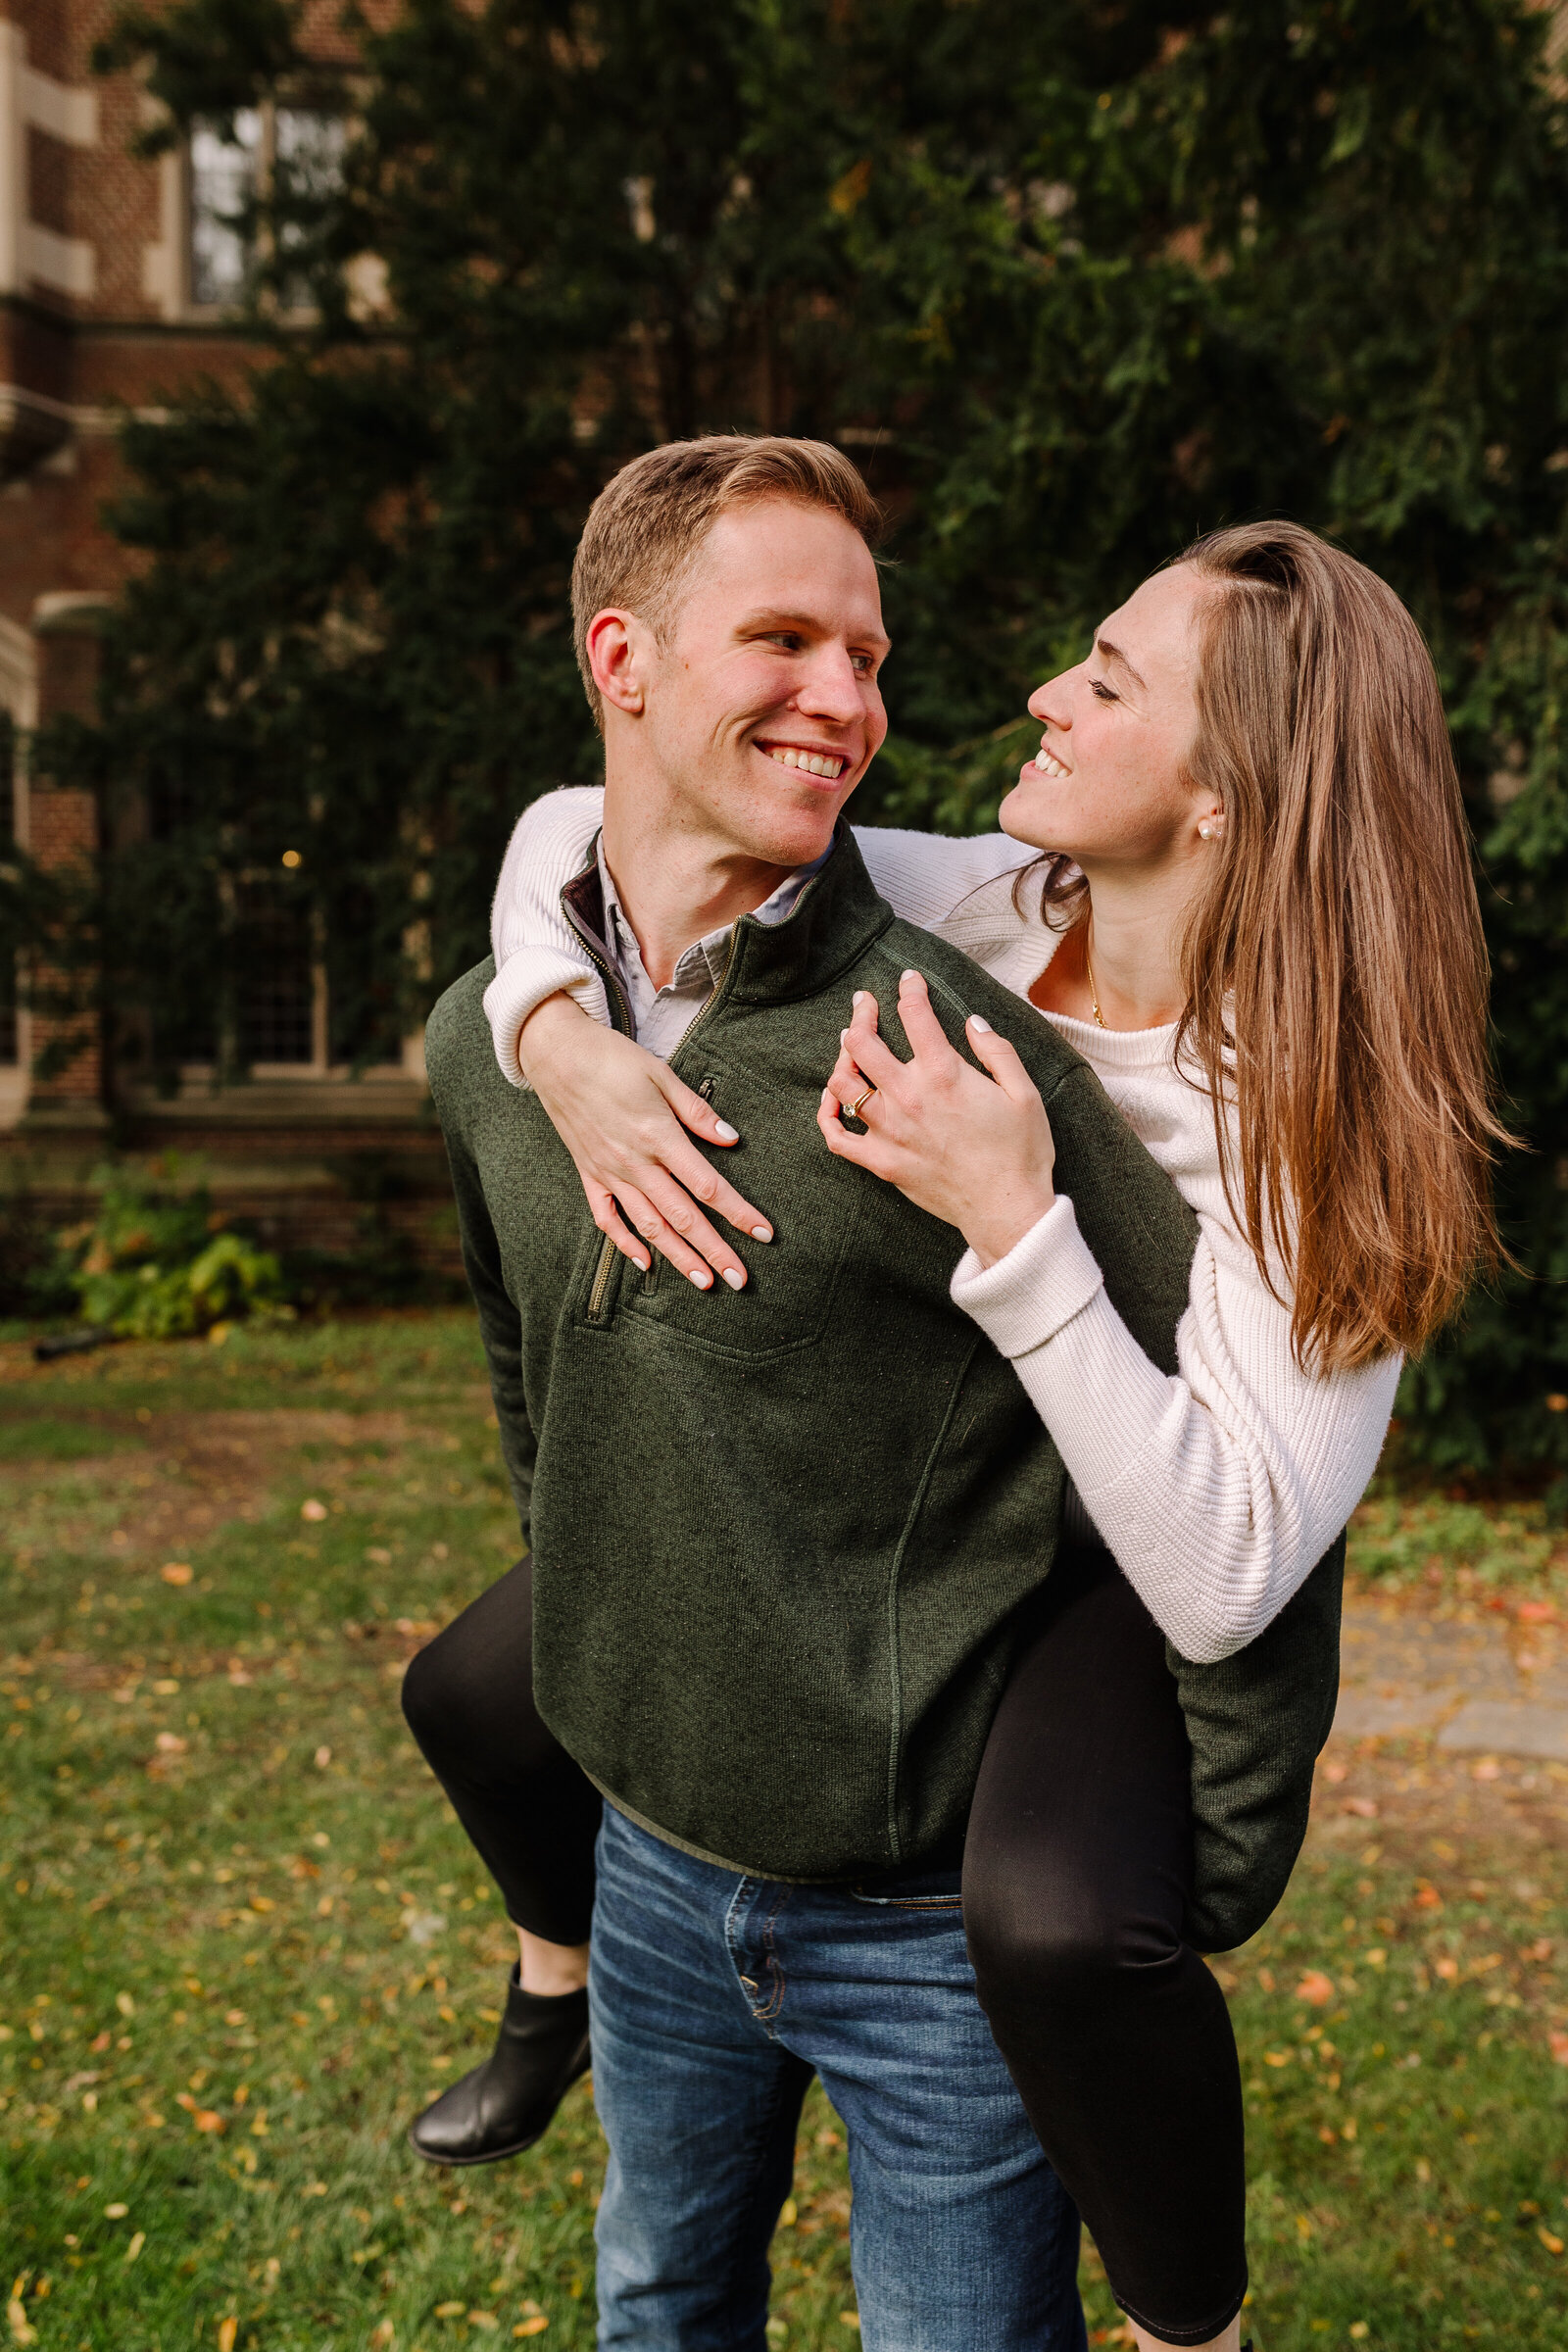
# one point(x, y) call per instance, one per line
point(737, 1282)
point(761, 1233)
point(641, 1264)
point(725, 1133)
point(861, 995)
point(702, 1279)
point(909, 976)
point(978, 1021)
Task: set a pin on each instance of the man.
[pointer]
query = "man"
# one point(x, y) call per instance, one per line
point(781, 1534)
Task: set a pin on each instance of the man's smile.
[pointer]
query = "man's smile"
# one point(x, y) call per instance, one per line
point(815, 759)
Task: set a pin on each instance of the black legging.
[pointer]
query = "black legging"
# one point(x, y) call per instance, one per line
point(1077, 1869)
point(531, 1812)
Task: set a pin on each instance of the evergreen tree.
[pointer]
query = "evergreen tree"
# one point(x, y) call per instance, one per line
point(1072, 283)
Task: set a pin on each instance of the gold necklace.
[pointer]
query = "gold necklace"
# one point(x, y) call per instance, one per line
point(1093, 994)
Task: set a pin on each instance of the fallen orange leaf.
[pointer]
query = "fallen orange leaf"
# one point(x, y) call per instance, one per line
point(228, 2329)
point(1553, 2245)
point(1315, 1988)
point(176, 1572)
point(313, 1509)
point(1559, 2046)
point(533, 2327)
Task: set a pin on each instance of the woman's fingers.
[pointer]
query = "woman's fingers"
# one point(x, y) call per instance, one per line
point(658, 1233)
point(693, 1237)
point(1001, 1059)
point(856, 1091)
point(864, 1014)
point(693, 1111)
point(701, 1179)
point(928, 1040)
point(866, 1150)
point(606, 1212)
point(868, 1053)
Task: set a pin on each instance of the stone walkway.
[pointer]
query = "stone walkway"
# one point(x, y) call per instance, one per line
point(1468, 1678)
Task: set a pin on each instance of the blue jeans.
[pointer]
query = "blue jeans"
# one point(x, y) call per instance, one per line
point(713, 2000)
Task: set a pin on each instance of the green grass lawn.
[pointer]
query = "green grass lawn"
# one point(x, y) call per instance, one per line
point(244, 1943)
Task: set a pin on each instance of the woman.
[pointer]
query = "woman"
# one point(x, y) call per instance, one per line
point(1254, 917)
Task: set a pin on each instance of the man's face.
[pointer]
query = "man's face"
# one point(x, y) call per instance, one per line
point(762, 709)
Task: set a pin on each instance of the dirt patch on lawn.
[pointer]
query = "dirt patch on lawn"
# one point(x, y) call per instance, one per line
point(1444, 1817)
point(192, 1474)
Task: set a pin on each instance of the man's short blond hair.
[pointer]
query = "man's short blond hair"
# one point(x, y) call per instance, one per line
point(646, 526)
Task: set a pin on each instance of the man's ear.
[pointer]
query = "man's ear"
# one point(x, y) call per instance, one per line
point(619, 651)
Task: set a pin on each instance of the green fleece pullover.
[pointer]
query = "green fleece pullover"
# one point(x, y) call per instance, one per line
point(783, 1538)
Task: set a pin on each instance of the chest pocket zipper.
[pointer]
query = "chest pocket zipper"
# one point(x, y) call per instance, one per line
point(600, 1286)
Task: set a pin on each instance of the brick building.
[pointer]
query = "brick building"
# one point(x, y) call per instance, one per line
point(118, 281)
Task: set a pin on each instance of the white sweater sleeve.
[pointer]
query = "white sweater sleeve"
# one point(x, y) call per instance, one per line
point(924, 877)
point(1217, 1488)
point(537, 953)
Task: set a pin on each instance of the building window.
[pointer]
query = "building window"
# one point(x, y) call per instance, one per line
point(277, 997)
point(230, 168)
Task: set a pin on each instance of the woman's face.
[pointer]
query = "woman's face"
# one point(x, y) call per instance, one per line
point(1108, 784)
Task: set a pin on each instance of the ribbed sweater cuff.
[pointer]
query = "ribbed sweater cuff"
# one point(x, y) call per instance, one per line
point(1027, 1296)
point(521, 986)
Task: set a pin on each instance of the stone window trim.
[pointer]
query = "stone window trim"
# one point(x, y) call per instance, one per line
point(30, 254)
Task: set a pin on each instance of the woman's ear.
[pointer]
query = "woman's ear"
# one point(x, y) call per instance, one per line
point(617, 656)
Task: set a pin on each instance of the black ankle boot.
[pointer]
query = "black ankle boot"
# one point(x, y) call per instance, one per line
point(505, 2105)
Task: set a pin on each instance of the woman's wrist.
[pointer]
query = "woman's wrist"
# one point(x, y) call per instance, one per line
point(996, 1231)
point(549, 1031)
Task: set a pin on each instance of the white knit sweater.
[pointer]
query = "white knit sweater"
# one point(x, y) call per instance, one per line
point(1217, 1487)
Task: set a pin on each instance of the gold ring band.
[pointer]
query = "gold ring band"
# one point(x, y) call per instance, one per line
point(852, 1109)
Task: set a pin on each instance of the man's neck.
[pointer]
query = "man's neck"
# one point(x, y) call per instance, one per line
point(675, 886)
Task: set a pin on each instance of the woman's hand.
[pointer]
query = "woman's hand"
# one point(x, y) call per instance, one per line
point(977, 1152)
point(620, 1111)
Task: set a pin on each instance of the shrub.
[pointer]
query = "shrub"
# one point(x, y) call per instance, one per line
point(158, 1264)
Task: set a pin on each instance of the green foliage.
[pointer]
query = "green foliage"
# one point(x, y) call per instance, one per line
point(210, 58)
point(154, 1265)
point(1072, 284)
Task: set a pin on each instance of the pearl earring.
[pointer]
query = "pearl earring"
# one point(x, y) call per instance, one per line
point(1211, 828)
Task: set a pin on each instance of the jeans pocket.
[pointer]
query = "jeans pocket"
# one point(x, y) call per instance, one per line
point(928, 1891)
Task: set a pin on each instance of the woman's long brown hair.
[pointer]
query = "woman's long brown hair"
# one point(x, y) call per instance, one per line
point(1334, 970)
